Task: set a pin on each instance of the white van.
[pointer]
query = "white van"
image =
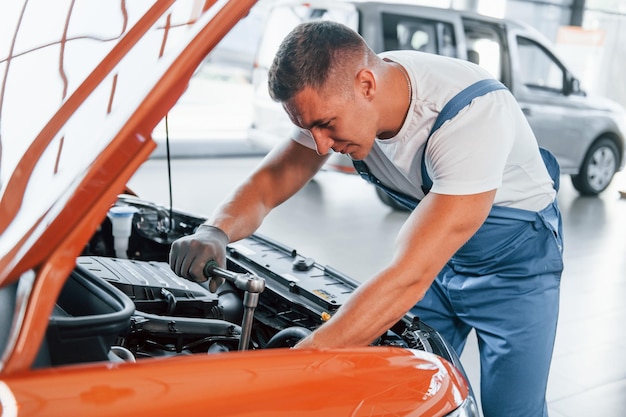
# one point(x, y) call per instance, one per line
point(585, 134)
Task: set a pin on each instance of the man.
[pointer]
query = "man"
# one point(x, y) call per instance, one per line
point(482, 249)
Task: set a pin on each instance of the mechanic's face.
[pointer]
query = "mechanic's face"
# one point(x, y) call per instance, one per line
point(336, 121)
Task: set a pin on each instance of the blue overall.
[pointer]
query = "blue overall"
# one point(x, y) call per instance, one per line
point(504, 282)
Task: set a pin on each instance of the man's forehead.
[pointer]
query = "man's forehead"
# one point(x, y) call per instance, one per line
point(293, 113)
point(306, 109)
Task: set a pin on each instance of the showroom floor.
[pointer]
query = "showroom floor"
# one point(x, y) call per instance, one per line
point(338, 220)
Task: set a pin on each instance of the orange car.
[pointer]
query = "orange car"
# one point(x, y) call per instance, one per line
point(92, 320)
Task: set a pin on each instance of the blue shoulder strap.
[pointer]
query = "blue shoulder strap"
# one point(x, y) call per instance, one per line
point(450, 110)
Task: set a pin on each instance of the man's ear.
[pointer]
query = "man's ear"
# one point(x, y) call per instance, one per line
point(366, 83)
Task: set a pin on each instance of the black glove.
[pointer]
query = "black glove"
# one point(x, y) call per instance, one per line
point(190, 254)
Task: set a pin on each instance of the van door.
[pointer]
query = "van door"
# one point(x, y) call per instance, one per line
point(556, 112)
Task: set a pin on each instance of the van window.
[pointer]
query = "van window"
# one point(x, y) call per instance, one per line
point(485, 46)
point(406, 32)
point(538, 68)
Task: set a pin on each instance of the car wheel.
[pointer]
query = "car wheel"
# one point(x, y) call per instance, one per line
point(388, 201)
point(598, 168)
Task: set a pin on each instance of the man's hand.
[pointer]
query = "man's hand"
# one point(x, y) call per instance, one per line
point(190, 254)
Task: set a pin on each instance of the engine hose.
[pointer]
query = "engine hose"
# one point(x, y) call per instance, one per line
point(287, 337)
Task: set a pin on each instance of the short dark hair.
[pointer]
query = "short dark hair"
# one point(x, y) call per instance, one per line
point(309, 54)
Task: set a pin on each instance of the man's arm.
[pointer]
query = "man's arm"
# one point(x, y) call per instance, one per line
point(435, 230)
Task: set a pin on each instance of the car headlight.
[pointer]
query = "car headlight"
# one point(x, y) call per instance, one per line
point(467, 409)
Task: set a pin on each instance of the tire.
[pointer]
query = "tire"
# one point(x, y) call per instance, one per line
point(598, 168)
point(388, 201)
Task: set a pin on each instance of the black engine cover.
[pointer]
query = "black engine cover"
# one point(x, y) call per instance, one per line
point(153, 287)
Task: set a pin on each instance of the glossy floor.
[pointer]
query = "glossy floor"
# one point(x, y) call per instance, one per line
point(338, 220)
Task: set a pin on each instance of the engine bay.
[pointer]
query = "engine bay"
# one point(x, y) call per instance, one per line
point(129, 307)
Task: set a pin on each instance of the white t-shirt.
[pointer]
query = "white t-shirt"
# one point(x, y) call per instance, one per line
point(487, 145)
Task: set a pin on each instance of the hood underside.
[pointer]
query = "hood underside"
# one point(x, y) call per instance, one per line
point(82, 88)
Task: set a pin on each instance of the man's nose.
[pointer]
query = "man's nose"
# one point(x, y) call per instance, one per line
point(323, 142)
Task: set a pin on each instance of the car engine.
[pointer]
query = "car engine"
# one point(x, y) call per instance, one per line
point(124, 306)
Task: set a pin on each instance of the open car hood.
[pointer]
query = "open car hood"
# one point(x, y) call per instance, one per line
point(82, 87)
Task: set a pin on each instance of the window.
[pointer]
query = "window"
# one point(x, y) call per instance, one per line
point(406, 32)
point(538, 68)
